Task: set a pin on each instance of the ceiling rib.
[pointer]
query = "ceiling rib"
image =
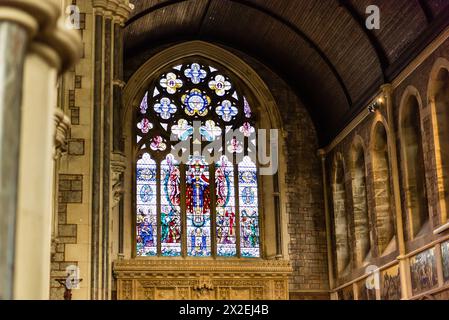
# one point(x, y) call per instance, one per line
point(375, 44)
point(426, 10)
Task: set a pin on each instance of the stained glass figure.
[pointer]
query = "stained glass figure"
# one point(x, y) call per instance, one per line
point(146, 206)
point(210, 131)
point(246, 108)
point(145, 125)
point(220, 85)
point(235, 146)
point(165, 108)
point(198, 208)
point(171, 83)
point(195, 73)
point(249, 209)
point(144, 104)
point(195, 102)
point(170, 207)
point(225, 208)
point(158, 144)
point(226, 110)
point(183, 129)
point(247, 129)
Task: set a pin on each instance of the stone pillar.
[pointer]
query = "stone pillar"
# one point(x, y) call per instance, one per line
point(13, 42)
point(49, 55)
point(17, 27)
point(330, 261)
point(387, 92)
point(110, 16)
point(33, 49)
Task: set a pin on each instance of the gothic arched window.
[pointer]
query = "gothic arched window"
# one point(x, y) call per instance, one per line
point(197, 207)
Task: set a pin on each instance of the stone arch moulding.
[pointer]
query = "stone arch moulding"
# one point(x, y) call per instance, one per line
point(188, 274)
point(263, 101)
point(414, 178)
point(361, 219)
point(438, 100)
point(381, 172)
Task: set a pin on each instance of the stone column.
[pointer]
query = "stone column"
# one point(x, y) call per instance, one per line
point(109, 18)
point(16, 29)
point(330, 261)
point(34, 48)
point(387, 92)
point(50, 54)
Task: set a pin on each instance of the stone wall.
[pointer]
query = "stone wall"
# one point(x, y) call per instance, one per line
point(72, 238)
point(379, 188)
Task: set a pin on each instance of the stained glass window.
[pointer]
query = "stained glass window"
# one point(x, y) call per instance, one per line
point(197, 207)
point(225, 208)
point(146, 206)
point(170, 207)
point(249, 209)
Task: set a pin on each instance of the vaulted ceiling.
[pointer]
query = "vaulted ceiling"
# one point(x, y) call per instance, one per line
point(320, 47)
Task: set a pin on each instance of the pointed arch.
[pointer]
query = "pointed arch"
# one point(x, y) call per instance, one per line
point(438, 96)
point(380, 161)
point(360, 200)
point(263, 106)
point(410, 128)
point(341, 219)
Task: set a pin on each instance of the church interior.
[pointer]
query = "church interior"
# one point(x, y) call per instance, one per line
point(224, 150)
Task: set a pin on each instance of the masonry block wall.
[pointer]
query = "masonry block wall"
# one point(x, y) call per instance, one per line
point(73, 234)
point(416, 83)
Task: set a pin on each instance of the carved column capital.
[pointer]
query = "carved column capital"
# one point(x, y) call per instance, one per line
point(62, 126)
point(44, 22)
point(118, 10)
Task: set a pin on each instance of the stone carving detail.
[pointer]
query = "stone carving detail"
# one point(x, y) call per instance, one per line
point(202, 290)
point(127, 287)
point(62, 127)
point(118, 166)
point(279, 290)
point(203, 280)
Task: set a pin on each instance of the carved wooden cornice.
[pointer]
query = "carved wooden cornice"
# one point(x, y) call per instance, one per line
point(44, 23)
point(62, 127)
point(151, 267)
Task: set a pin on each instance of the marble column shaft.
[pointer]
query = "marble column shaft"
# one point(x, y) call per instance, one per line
point(13, 43)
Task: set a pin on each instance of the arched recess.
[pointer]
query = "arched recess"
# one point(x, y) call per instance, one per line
point(341, 220)
point(413, 161)
point(359, 200)
point(384, 221)
point(438, 93)
point(262, 103)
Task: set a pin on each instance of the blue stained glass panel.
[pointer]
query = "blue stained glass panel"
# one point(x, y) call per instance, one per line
point(146, 206)
point(170, 207)
point(198, 208)
point(249, 209)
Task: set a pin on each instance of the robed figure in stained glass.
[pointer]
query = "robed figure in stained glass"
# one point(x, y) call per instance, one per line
point(197, 193)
